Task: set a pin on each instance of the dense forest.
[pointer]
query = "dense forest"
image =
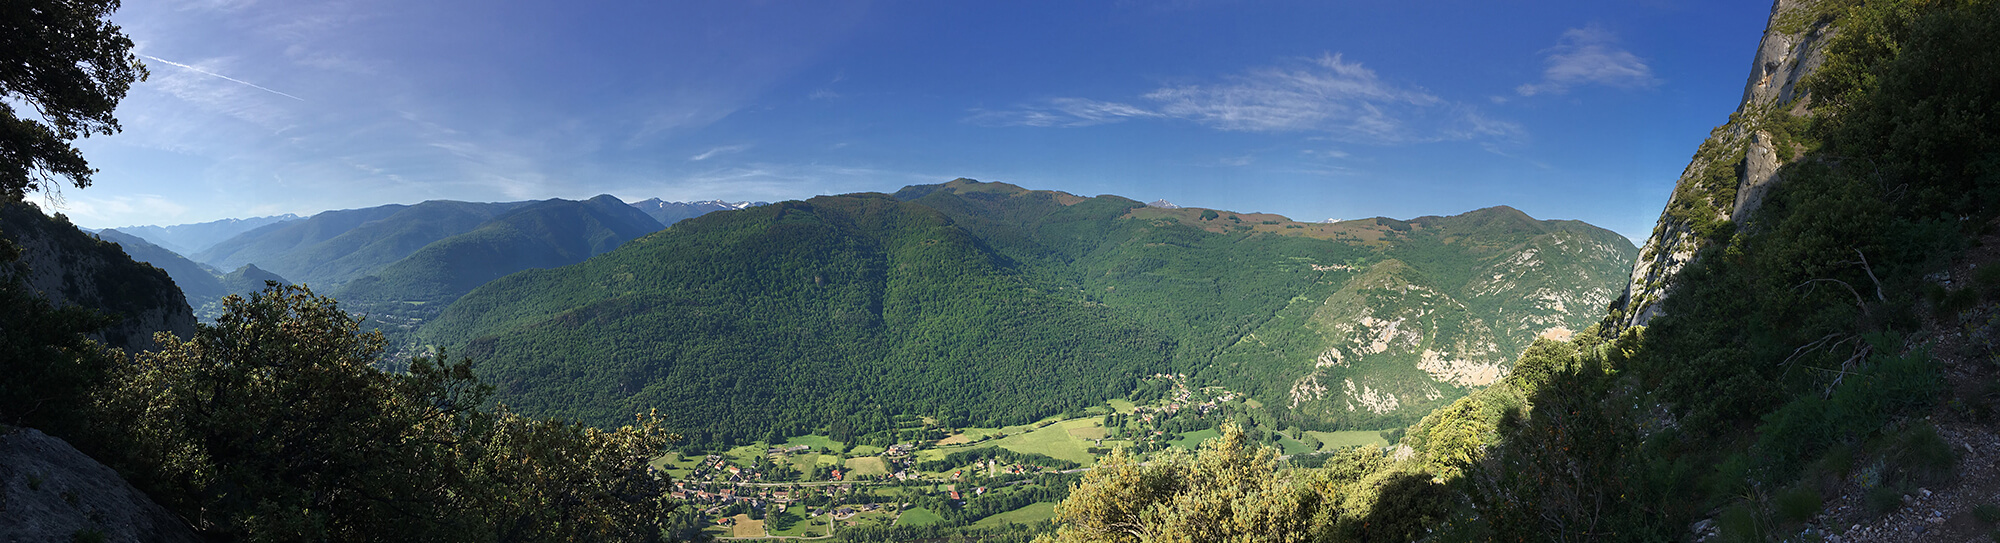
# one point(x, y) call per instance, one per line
point(984, 304)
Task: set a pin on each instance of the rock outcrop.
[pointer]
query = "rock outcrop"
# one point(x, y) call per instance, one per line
point(70, 267)
point(1705, 202)
point(51, 492)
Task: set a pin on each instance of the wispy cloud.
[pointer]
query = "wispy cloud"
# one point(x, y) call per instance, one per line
point(1587, 56)
point(1328, 94)
point(1065, 112)
point(213, 74)
point(723, 150)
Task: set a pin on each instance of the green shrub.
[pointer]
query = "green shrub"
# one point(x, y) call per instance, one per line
point(1987, 279)
point(1987, 513)
point(1883, 500)
point(1924, 456)
point(1740, 523)
point(1798, 504)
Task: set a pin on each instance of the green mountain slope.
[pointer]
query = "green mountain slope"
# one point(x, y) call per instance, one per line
point(987, 303)
point(543, 234)
point(830, 313)
point(199, 283)
point(338, 246)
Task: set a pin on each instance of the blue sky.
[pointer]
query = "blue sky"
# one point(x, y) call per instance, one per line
point(1579, 110)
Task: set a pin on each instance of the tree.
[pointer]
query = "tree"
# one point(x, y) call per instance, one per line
point(49, 362)
point(276, 424)
point(1230, 490)
point(66, 60)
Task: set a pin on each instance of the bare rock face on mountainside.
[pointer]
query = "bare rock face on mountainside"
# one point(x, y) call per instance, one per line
point(51, 492)
point(70, 267)
point(1736, 166)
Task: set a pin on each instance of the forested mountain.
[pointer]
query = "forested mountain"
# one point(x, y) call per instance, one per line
point(187, 239)
point(543, 234)
point(335, 247)
point(985, 303)
point(668, 213)
point(1804, 352)
point(198, 282)
point(204, 286)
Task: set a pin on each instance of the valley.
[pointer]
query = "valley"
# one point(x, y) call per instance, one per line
point(1805, 347)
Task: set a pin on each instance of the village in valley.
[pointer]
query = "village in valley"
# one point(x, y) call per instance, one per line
point(812, 487)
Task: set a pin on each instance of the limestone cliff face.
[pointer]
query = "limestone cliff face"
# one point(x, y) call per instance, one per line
point(70, 267)
point(1733, 170)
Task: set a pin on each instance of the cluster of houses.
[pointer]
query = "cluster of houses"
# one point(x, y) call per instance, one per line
point(717, 499)
point(1183, 398)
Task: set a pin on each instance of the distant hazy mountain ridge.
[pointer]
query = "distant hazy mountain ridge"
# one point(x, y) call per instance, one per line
point(543, 234)
point(668, 213)
point(188, 239)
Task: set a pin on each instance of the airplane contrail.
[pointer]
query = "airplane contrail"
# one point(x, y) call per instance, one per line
point(209, 73)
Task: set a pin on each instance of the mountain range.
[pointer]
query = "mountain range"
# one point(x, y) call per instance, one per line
point(986, 303)
point(187, 239)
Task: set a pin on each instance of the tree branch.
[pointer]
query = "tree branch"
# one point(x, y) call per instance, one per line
point(1871, 276)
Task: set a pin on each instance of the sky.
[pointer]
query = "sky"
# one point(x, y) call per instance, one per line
point(1314, 110)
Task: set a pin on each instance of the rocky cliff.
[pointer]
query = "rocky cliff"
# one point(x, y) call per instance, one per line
point(70, 267)
point(1736, 166)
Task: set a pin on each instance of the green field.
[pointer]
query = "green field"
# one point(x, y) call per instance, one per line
point(746, 455)
point(675, 466)
point(818, 525)
point(865, 450)
point(869, 465)
point(1193, 439)
point(1292, 446)
point(871, 519)
point(1122, 405)
point(1053, 440)
point(1034, 512)
point(816, 442)
point(1332, 441)
point(918, 516)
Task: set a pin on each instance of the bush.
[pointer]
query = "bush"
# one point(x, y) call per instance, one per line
point(1798, 504)
point(1883, 500)
point(1924, 456)
point(1987, 513)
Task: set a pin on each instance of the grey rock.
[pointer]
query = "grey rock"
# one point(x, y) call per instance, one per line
point(51, 492)
point(69, 267)
point(1782, 60)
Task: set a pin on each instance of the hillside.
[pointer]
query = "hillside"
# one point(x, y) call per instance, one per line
point(187, 239)
point(544, 234)
point(1804, 351)
point(943, 299)
point(199, 283)
point(335, 247)
point(68, 267)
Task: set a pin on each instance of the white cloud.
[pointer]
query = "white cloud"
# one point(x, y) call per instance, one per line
point(1065, 112)
point(723, 150)
point(1328, 94)
point(1586, 56)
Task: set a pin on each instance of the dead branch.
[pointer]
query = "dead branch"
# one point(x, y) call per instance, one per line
point(1858, 302)
point(1871, 276)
